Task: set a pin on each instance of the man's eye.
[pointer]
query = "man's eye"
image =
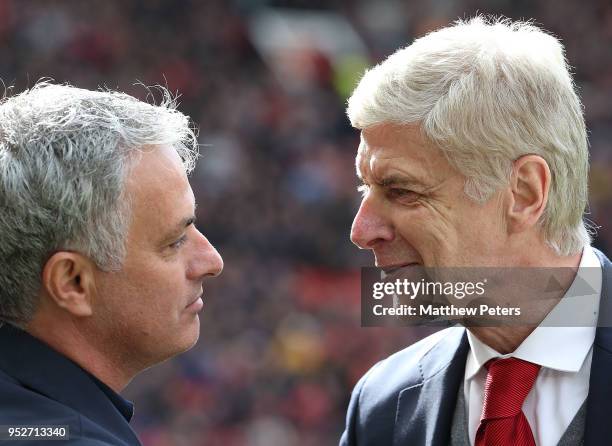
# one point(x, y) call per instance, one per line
point(180, 242)
point(405, 195)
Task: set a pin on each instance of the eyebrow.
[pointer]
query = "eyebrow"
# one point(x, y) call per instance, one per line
point(184, 223)
point(404, 179)
point(397, 180)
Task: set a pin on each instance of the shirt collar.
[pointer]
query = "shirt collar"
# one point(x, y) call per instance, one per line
point(125, 407)
point(582, 301)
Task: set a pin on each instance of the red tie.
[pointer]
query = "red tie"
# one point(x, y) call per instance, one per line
point(503, 422)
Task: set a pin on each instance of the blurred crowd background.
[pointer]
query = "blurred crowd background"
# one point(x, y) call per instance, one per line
point(266, 83)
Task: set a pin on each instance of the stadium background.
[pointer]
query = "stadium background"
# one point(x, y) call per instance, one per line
point(281, 344)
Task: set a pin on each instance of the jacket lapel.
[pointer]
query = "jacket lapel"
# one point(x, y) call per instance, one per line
point(425, 410)
point(598, 428)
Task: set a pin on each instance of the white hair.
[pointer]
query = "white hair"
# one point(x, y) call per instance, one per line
point(64, 156)
point(486, 92)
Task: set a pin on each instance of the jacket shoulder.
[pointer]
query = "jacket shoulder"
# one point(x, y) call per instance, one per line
point(404, 369)
point(373, 406)
point(20, 405)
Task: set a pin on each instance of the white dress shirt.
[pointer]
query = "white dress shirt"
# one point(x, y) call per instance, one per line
point(565, 354)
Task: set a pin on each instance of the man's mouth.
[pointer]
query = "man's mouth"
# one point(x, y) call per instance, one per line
point(196, 303)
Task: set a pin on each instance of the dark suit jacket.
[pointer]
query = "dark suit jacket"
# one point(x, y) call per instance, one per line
point(409, 398)
point(39, 386)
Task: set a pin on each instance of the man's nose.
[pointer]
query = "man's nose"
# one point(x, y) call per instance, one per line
point(370, 226)
point(207, 262)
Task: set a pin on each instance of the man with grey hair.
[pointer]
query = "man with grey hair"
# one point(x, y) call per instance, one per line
point(474, 153)
point(101, 266)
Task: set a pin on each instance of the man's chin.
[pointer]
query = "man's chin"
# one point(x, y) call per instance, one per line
point(192, 334)
point(188, 339)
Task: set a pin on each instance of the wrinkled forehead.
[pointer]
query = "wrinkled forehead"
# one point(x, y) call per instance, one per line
point(393, 149)
point(361, 155)
point(376, 144)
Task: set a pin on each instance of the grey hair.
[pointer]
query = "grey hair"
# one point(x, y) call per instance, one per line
point(487, 91)
point(65, 153)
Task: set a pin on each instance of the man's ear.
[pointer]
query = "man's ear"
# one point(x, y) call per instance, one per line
point(68, 279)
point(530, 183)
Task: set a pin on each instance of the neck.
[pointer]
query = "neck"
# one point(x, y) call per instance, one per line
point(68, 340)
point(507, 338)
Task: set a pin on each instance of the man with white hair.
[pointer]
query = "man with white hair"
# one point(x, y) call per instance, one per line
point(474, 153)
point(101, 266)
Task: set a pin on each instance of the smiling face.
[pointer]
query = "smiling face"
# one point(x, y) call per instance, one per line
point(414, 209)
point(148, 311)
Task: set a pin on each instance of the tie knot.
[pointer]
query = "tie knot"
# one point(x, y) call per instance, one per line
point(509, 381)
